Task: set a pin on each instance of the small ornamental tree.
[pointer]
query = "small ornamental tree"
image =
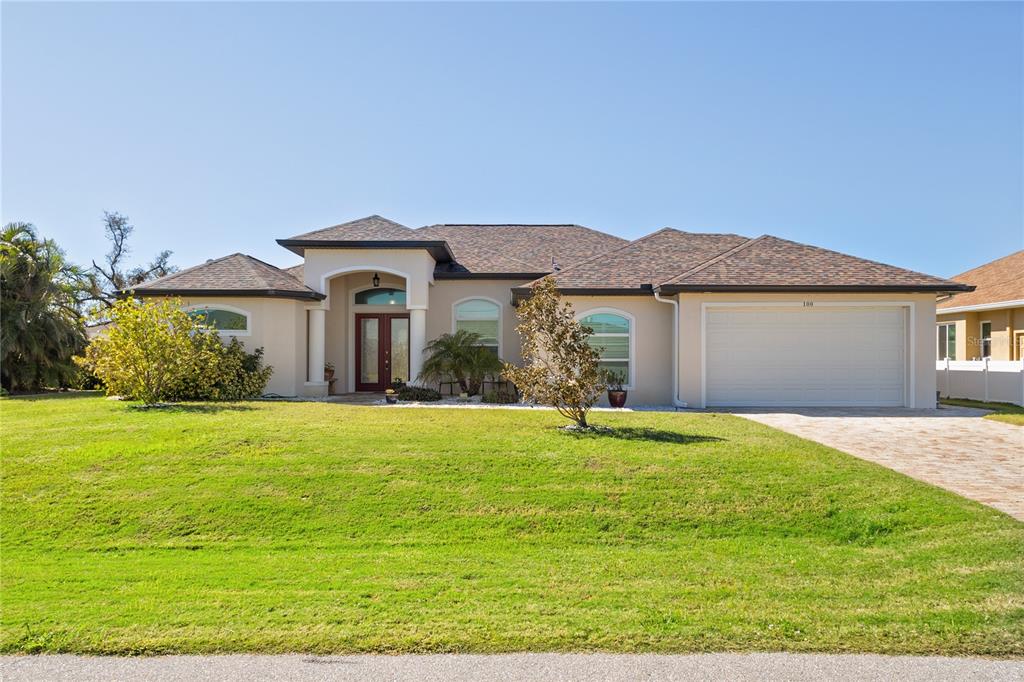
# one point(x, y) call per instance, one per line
point(560, 368)
point(156, 352)
point(460, 356)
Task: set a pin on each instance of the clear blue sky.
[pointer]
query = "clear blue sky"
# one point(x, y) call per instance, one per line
point(891, 131)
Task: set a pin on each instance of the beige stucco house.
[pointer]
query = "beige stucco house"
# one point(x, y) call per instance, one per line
point(690, 319)
point(989, 321)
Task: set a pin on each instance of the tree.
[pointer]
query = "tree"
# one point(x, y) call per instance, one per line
point(156, 352)
point(113, 278)
point(41, 328)
point(560, 368)
point(461, 357)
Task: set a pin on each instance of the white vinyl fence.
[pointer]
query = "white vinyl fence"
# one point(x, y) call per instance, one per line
point(1000, 381)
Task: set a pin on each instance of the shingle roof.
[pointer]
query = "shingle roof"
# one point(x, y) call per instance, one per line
point(526, 249)
point(370, 228)
point(998, 281)
point(298, 272)
point(648, 260)
point(237, 274)
point(586, 259)
point(770, 262)
point(371, 232)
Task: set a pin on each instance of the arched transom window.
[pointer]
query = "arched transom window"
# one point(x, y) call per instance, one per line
point(612, 338)
point(483, 317)
point(222, 319)
point(380, 296)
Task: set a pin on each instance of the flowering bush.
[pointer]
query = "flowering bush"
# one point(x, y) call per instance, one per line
point(156, 352)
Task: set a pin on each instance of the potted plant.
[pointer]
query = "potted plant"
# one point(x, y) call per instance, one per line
point(397, 383)
point(616, 394)
point(328, 371)
point(390, 396)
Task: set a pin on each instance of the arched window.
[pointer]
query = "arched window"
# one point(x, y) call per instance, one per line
point(612, 338)
point(224, 319)
point(483, 317)
point(380, 296)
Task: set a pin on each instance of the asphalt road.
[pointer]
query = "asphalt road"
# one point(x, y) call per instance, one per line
point(509, 668)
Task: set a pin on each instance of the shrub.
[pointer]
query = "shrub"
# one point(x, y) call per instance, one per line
point(234, 374)
point(156, 352)
point(461, 357)
point(418, 393)
point(501, 396)
point(560, 368)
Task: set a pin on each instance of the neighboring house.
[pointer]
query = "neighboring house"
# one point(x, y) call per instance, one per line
point(989, 321)
point(687, 318)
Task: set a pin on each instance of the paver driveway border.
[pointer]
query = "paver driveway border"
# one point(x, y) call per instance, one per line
point(950, 447)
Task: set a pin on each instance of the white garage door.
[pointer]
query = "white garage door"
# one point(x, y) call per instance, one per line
point(793, 356)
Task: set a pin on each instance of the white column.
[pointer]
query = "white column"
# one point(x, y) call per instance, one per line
point(317, 328)
point(417, 341)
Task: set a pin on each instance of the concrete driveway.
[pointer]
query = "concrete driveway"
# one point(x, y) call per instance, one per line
point(951, 447)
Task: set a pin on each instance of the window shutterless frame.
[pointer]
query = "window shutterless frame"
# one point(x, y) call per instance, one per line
point(985, 339)
point(499, 313)
point(630, 379)
point(945, 347)
point(213, 307)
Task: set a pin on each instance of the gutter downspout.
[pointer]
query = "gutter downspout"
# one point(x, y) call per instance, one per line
point(676, 402)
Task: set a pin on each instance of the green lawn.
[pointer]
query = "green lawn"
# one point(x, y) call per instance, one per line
point(322, 528)
point(1002, 412)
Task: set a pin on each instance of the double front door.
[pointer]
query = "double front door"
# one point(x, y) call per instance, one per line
point(382, 350)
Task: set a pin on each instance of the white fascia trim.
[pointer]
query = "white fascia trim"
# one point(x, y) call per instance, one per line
point(501, 316)
point(980, 306)
point(910, 360)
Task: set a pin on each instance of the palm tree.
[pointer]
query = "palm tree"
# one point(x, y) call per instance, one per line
point(41, 327)
point(460, 356)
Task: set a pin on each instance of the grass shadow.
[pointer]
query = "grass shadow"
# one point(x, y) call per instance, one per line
point(52, 395)
point(645, 434)
point(193, 408)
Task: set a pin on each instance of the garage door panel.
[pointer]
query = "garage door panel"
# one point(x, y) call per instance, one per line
point(796, 356)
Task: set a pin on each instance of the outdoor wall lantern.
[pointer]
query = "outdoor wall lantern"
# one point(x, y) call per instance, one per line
point(376, 280)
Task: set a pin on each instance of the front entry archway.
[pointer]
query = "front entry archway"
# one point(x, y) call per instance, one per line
point(382, 350)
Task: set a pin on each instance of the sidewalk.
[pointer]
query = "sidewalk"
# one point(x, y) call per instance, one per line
point(509, 668)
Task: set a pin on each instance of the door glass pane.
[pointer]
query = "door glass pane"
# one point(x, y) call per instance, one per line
point(399, 349)
point(369, 330)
